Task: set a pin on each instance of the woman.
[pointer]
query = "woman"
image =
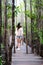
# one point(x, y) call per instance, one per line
point(19, 34)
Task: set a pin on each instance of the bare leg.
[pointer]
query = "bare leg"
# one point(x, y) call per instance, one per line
point(19, 42)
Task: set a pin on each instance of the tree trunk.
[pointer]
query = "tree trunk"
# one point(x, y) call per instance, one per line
point(13, 34)
point(13, 24)
point(26, 28)
point(5, 34)
point(8, 49)
point(39, 22)
point(31, 24)
point(39, 14)
point(0, 26)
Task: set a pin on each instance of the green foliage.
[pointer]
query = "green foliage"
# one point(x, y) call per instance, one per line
point(35, 30)
point(9, 15)
point(41, 17)
point(24, 29)
point(2, 28)
point(9, 6)
point(35, 26)
point(41, 36)
point(0, 60)
point(9, 26)
point(9, 10)
point(33, 16)
point(2, 45)
point(28, 14)
point(17, 10)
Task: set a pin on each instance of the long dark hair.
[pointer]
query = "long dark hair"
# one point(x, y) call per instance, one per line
point(18, 26)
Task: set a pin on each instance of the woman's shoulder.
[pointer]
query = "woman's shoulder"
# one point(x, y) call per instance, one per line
point(20, 29)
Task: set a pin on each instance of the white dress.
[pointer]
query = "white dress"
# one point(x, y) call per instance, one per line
point(19, 32)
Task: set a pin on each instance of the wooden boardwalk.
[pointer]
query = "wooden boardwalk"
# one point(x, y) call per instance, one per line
point(21, 58)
